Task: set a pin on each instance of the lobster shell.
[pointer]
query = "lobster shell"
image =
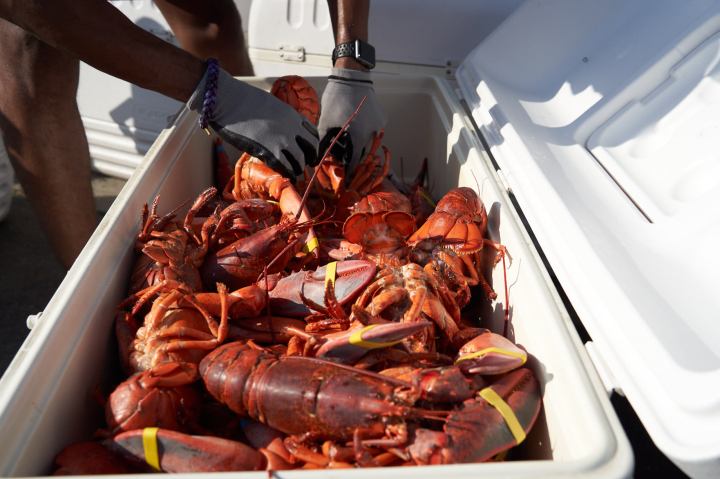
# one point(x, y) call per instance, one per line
point(299, 94)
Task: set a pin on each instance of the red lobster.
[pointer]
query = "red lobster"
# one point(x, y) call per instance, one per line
point(460, 224)
point(315, 399)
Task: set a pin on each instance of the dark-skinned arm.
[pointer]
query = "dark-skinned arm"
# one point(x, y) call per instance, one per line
point(350, 22)
point(348, 83)
point(100, 35)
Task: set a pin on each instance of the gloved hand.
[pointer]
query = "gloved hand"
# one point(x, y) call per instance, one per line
point(255, 121)
point(343, 93)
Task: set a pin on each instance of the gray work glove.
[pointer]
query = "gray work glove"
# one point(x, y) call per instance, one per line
point(343, 93)
point(255, 121)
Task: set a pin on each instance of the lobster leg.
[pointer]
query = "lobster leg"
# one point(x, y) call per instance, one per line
point(220, 331)
point(476, 277)
point(197, 205)
point(386, 298)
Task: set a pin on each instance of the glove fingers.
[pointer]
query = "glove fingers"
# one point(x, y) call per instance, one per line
point(343, 149)
point(293, 162)
point(255, 149)
point(243, 143)
point(311, 129)
point(309, 151)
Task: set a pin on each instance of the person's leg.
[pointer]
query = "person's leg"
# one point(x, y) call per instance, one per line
point(209, 29)
point(45, 138)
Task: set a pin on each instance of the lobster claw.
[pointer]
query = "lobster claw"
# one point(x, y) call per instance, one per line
point(349, 346)
point(497, 419)
point(157, 397)
point(350, 278)
point(86, 458)
point(490, 353)
point(178, 452)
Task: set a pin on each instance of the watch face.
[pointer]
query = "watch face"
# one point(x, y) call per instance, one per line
point(365, 54)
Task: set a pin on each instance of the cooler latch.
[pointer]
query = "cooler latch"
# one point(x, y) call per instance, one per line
point(291, 53)
point(606, 375)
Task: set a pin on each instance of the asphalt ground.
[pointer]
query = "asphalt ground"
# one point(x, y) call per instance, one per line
point(31, 274)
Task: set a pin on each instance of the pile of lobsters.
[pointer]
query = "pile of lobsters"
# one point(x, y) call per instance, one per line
point(321, 324)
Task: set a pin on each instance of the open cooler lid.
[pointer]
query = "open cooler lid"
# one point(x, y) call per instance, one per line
point(408, 35)
point(604, 118)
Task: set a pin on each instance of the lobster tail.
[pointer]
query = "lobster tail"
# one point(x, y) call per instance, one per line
point(226, 370)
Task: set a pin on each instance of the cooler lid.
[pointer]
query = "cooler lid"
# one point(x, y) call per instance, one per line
point(604, 118)
point(403, 32)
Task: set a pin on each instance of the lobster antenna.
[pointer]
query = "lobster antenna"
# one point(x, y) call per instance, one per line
point(507, 299)
point(267, 304)
point(327, 152)
point(477, 183)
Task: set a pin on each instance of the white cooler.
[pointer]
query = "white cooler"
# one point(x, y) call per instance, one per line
point(590, 121)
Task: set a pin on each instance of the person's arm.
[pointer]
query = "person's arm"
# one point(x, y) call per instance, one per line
point(349, 82)
point(350, 22)
point(100, 35)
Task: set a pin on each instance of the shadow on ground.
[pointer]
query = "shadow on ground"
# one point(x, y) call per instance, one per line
point(30, 272)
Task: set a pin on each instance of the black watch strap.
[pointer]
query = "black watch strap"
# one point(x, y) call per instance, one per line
point(361, 51)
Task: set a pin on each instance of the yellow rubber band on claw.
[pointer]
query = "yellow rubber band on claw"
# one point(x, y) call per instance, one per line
point(149, 438)
point(356, 339)
point(330, 273)
point(505, 411)
point(427, 198)
point(501, 351)
point(310, 246)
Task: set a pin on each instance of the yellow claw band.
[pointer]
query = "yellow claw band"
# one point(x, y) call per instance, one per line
point(273, 202)
point(501, 351)
point(149, 438)
point(207, 131)
point(356, 339)
point(505, 411)
point(427, 198)
point(310, 246)
point(330, 273)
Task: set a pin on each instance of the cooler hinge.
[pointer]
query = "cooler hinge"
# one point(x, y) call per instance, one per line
point(33, 320)
point(292, 53)
point(605, 373)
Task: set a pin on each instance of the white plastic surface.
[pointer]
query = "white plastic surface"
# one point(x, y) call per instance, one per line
point(603, 117)
point(46, 393)
point(408, 35)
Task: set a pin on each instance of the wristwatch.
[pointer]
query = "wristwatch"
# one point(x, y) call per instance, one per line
point(361, 51)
